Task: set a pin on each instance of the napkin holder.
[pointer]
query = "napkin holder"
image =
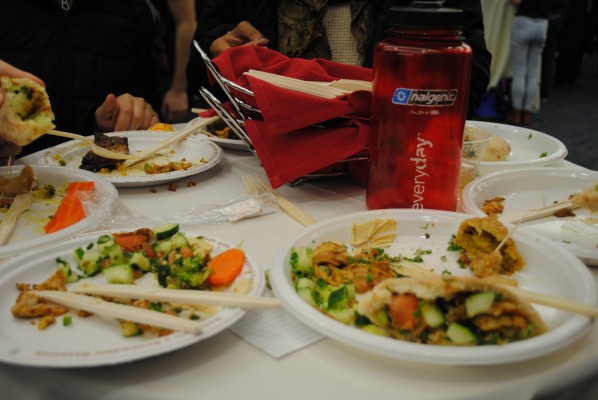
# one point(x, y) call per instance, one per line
point(241, 113)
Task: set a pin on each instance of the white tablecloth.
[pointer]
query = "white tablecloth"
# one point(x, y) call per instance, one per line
point(227, 367)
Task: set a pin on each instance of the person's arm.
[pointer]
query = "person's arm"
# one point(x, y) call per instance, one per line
point(216, 18)
point(473, 30)
point(175, 103)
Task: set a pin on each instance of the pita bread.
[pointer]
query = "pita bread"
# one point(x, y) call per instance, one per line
point(26, 113)
point(452, 291)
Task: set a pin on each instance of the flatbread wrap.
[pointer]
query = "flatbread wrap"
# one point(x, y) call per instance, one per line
point(450, 311)
point(26, 113)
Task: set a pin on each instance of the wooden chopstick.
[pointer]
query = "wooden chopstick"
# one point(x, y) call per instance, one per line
point(530, 215)
point(19, 205)
point(419, 272)
point(298, 85)
point(182, 296)
point(120, 311)
point(173, 139)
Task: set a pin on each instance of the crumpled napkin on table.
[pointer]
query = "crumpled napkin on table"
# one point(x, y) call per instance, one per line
point(299, 133)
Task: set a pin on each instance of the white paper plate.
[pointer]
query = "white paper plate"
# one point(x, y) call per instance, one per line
point(29, 233)
point(92, 341)
point(529, 148)
point(202, 153)
point(231, 144)
point(550, 269)
point(526, 189)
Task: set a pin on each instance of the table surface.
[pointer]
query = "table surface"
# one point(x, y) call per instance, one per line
point(226, 366)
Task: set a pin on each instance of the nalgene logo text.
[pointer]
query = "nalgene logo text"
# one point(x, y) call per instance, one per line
point(424, 97)
point(420, 165)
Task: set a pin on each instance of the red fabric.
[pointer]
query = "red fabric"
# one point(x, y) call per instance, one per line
point(285, 141)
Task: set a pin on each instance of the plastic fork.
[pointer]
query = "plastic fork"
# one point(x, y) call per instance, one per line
point(100, 151)
point(256, 185)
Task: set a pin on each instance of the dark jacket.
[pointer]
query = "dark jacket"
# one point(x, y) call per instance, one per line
point(217, 17)
point(95, 48)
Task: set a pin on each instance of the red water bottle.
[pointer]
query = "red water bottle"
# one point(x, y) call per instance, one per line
point(420, 88)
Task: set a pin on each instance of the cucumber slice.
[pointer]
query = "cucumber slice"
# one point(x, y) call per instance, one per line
point(90, 262)
point(380, 317)
point(307, 295)
point(166, 231)
point(179, 240)
point(138, 260)
point(376, 330)
point(119, 273)
point(479, 303)
point(302, 261)
point(345, 315)
point(115, 252)
point(432, 315)
point(459, 334)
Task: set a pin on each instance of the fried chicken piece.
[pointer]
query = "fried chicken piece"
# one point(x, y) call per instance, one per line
point(18, 184)
point(28, 305)
point(479, 236)
point(330, 253)
point(493, 206)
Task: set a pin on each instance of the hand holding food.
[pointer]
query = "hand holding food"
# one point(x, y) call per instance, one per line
point(25, 113)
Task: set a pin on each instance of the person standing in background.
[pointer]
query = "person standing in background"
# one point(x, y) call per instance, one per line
point(339, 30)
point(555, 21)
point(528, 35)
point(96, 59)
point(178, 18)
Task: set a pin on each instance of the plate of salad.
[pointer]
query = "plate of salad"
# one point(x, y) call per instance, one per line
point(156, 257)
point(324, 279)
point(49, 191)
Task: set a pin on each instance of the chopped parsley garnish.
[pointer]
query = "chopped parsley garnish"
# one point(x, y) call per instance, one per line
point(544, 154)
point(446, 272)
point(452, 246)
point(529, 137)
point(67, 320)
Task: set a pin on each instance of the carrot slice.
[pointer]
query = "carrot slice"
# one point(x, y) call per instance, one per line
point(226, 266)
point(70, 210)
point(401, 311)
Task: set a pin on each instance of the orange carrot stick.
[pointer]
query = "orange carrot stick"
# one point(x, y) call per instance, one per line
point(226, 266)
point(70, 210)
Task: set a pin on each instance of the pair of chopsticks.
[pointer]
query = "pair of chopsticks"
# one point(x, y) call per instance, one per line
point(530, 215)
point(132, 159)
point(256, 185)
point(150, 151)
point(77, 298)
point(418, 272)
point(327, 90)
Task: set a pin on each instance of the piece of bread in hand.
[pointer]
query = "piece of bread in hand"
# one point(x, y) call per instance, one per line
point(26, 113)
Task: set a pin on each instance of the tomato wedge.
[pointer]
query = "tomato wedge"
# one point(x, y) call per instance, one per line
point(402, 309)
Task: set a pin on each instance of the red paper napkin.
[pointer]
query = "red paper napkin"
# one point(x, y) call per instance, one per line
point(286, 141)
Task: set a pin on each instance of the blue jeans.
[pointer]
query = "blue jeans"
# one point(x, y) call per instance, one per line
point(527, 41)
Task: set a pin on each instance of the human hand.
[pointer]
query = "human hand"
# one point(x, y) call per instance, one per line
point(175, 105)
point(125, 112)
point(12, 72)
point(243, 34)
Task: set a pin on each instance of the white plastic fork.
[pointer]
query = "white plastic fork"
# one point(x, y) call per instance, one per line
point(255, 184)
point(100, 151)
